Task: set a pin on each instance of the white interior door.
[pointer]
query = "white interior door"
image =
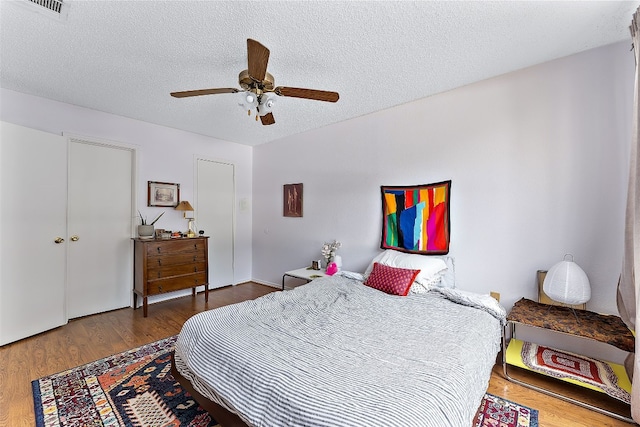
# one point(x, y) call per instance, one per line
point(214, 215)
point(33, 186)
point(100, 219)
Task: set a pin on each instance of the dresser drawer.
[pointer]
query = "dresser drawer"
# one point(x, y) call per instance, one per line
point(176, 270)
point(176, 283)
point(175, 247)
point(181, 258)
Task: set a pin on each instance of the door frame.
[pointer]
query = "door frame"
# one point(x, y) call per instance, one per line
point(196, 159)
point(134, 149)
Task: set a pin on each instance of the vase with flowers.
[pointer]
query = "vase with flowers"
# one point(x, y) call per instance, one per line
point(329, 252)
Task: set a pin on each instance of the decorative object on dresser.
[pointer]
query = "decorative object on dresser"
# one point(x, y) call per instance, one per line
point(567, 283)
point(185, 207)
point(145, 230)
point(162, 266)
point(162, 193)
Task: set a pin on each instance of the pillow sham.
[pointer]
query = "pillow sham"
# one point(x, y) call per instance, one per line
point(391, 280)
point(431, 268)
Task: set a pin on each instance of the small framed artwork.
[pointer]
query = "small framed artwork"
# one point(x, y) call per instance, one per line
point(163, 194)
point(292, 200)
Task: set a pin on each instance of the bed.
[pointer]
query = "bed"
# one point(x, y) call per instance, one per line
point(341, 352)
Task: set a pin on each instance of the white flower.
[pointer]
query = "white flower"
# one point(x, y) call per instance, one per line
point(329, 249)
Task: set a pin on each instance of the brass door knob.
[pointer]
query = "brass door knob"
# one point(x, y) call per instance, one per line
point(75, 238)
point(59, 240)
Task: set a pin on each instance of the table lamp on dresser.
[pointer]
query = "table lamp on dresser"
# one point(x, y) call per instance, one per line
point(185, 206)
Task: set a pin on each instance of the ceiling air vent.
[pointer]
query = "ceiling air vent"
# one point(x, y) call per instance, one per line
point(52, 5)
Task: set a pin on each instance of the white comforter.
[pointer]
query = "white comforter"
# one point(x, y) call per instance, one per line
point(337, 353)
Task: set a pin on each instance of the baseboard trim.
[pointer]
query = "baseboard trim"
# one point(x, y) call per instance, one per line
point(264, 282)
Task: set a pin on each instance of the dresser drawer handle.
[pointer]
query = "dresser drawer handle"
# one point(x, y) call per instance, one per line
point(159, 275)
point(159, 262)
point(195, 281)
point(160, 288)
point(195, 269)
point(159, 249)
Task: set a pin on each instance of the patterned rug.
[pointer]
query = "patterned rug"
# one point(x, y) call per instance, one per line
point(562, 364)
point(136, 388)
point(498, 412)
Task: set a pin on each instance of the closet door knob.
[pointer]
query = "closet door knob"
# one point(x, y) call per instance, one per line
point(75, 238)
point(59, 240)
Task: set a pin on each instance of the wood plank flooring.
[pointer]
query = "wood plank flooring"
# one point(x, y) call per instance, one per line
point(93, 337)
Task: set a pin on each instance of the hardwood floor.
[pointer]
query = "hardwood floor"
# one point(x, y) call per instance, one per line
point(93, 337)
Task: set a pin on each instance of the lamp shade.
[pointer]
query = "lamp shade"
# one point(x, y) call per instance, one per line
point(184, 206)
point(567, 283)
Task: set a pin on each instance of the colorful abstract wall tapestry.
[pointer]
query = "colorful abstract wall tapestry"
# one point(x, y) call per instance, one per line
point(416, 218)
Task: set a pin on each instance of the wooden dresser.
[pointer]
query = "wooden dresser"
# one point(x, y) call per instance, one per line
point(169, 265)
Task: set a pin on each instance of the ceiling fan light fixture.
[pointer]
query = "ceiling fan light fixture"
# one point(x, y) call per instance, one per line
point(250, 98)
point(248, 101)
point(266, 104)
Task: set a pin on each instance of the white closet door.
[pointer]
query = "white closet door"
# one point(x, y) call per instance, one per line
point(100, 215)
point(214, 215)
point(33, 186)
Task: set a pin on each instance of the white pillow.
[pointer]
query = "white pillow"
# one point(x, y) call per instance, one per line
point(431, 268)
point(449, 276)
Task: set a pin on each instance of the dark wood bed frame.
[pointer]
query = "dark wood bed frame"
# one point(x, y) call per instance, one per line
point(220, 414)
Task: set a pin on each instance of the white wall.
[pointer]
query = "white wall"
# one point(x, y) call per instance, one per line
point(164, 154)
point(538, 161)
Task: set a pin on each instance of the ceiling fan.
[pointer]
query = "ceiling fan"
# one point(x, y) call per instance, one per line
point(259, 87)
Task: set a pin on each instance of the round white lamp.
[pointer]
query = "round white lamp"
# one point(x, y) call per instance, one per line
point(567, 283)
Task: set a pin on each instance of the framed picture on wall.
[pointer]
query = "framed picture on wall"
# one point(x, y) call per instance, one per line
point(163, 194)
point(292, 200)
point(415, 218)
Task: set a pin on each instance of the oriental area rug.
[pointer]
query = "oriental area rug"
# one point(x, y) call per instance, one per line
point(136, 388)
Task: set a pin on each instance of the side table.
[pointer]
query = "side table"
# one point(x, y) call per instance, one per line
point(608, 329)
point(305, 273)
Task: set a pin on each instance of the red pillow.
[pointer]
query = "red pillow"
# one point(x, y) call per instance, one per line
point(392, 280)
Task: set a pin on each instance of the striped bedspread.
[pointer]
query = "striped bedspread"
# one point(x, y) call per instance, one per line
point(337, 353)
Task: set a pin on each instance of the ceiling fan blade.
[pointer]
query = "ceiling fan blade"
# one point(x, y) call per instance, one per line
point(199, 92)
point(318, 95)
point(258, 57)
point(267, 119)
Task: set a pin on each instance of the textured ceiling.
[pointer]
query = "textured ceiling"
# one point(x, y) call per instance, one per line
point(124, 57)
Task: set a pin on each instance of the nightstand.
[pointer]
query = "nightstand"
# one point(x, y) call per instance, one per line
point(572, 320)
point(305, 273)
